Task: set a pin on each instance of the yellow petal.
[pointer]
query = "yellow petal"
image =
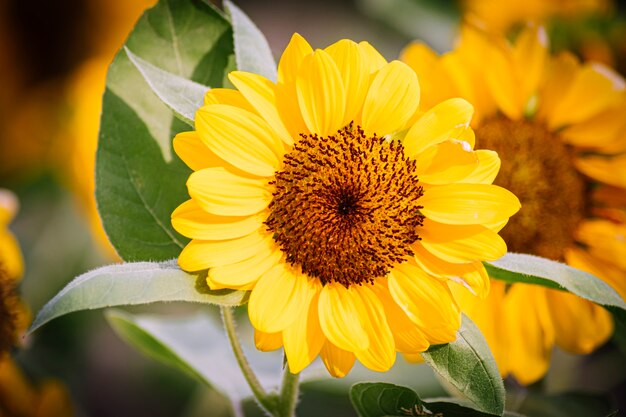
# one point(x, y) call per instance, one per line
point(500, 75)
point(426, 301)
point(601, 131)
point(446, 162)
point(221, 192)
point(202, 254)
point(353, 66)
point(530, 54)
point(461, 243)
point(609, 170)
point(414, 358)
point(447, 120)
point(304, 339)
point(241, 138)
point(594, 89)
point(246, 272)
point(607, 271)
point(604, 240)
point(194, 152)
point(260, 92)
point(392, 99)
point(380, 355)
point(472, 276)
point(190, 220)
point(374, 59)
point(11, 255)
point(292, 57)
point(279, 298)
point(487, 169)
point(321, 94)
point(529, 331)
point(560, 72)
point(342, 314)
point(266, 342)
point(468, 203)
point(338, 362)
point(407, 336)
point(227, 96)
point(580, 326)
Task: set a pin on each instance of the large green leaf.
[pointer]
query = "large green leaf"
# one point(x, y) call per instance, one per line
point(379, 399)
point(139, 180)
point(469, 366)
point(252, 52)
point(529, 269)
point(181, 95)
point(131, 284)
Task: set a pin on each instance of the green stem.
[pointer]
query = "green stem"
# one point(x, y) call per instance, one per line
point(289, 394)
point(257, 389)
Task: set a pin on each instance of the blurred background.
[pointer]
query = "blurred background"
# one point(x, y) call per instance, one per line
point(53, 62)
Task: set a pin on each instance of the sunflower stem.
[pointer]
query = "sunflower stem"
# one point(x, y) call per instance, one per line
point(289, 391)
point(257, 389)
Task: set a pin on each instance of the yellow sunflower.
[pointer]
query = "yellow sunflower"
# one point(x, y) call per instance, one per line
point(320, 193)
point(558, 126)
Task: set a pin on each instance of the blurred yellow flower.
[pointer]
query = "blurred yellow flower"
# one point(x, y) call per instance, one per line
point(18, 397)
point(499, 16)
point(320, 193)
point(558, 126)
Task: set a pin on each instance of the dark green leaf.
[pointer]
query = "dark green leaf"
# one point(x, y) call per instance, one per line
point(181, 95)
point(252, 52)
point(569, 404)
point(131, 284)
point(377, 399)
point(469, 366)
point(139, 180)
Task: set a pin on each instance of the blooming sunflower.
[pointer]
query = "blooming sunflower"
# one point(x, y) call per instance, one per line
point(558, 126)
point(341, 206)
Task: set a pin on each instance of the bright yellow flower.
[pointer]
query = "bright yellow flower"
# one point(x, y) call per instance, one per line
point(340, 205)
point(558, 126)
point(499, 16)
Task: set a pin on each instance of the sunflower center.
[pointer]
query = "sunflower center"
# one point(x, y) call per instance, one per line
point(345, 206)
point(538, 168)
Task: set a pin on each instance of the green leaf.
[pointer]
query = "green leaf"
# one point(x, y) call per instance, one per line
point(196, 345)
point(181, 95)
point(377, 399)
point(132, 284)
point(515, 267)
point(139, 179)
point(252, 52)
point(567, 404)
point(469, 366)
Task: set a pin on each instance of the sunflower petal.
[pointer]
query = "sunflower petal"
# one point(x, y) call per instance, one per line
point(323, 112)
point(449, 161)
point(342, 314)
point(271, 310)
point(260, 92)
point(219, 191)
point(241, 138)
point(487, 169)
point(292, 57)
point(267, 342)
point(609, 170)
point(194, 153)
point(426, 301)
point(246, 272)
point(392, 99)
point(447, 120)
point(468, 203)
point(304, 339)
point(374, 59)
point(338, 362)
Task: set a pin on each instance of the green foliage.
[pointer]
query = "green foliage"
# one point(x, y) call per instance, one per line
point(379, 399)
point(252, 52)
point(139, 180)
point(132, 284)
point(469, 366)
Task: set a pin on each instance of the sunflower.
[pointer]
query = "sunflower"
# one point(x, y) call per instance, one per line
point(341, 206)
point(558, 126)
